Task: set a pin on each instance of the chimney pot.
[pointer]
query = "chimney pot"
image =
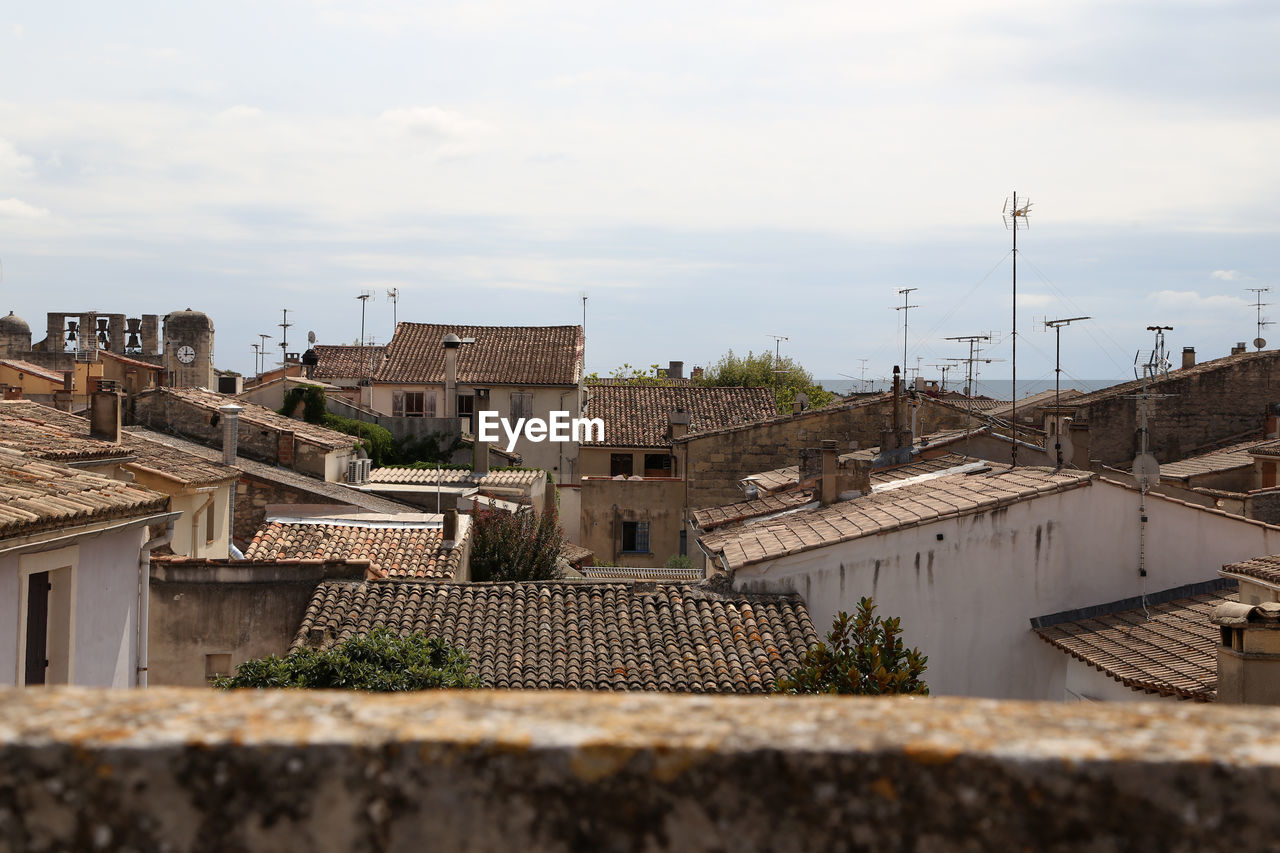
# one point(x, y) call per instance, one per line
point(104, 416)
point(449, 533)
point(675, 370)
point(830, 489)
point(1188, 357)
point(230, 431)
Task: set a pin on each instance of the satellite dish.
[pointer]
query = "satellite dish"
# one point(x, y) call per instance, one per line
point(1259, 342)
point(311, 338)
point(1146, 469)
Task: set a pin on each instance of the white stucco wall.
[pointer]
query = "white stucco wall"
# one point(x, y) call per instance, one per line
point(1086, 684)
point(104, 607)
point(965, 600)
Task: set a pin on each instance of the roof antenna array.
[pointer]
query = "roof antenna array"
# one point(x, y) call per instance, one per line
point(1146, 468)
point(1015, 220)
point(1260, 341)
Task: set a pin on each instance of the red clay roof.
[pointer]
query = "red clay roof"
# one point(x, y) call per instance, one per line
point(37, 495)
point(394, 550)
point(581, 635)
point(500, 355)
point(639, 415)
point(347, 362)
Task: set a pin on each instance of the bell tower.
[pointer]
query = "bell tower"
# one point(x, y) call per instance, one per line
point(188, 349)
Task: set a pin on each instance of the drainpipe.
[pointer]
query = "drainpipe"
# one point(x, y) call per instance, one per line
point(144, 599)
point(230, 438)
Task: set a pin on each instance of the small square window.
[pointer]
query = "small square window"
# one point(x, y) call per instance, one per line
point(657, 465)
point(521, 404)
point(635, 537)
point(621, 463)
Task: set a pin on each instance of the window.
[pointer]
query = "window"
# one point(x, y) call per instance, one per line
point(466, 405)
point(397, 404)
point(620, 463)
point(521, 404)
point(209, 518)
point(635, 537)
point(657, 465)
point(414, 404)
point(216, 665)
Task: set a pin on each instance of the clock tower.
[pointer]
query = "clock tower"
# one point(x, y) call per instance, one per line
point(188, 349)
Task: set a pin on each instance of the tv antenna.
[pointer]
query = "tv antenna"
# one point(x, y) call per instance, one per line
point(905, 308)
point(1057, 325)
point(262, 363)
point(975, 358)
point(943, 368)
point(364, 299)
point(1260, 341)
point(777, 357)
point(284, 339)
point(1015, 220)
point(393, 293)
point(1146, 468)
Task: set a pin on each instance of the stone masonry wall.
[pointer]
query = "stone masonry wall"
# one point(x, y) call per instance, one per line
point(201, 770)
point(1196, 411)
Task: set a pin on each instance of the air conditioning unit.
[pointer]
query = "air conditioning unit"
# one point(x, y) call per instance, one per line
point(358, 471)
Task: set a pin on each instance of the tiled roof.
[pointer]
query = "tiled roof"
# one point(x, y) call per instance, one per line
point(717, 516)
point(1260, 568)
point(590, 636)
point(639, 415)
point(261, 416)
point(37, 495)
point(921, 503)
point(333, 492)
point(1126, 388)
point(347, 362)
point(394, 550)
point(1172, 651)
point(132, 362)
point(500, 355)
point(50, 433)
point(1026, 404)
point(1266, 448)
point(781, 479)
point(36, 370)
point(824, 412)
point(1227, 459)
point(574, 553)
point(456, 477)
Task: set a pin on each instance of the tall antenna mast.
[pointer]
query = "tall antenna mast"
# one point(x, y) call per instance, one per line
point(777, 357)
point(1146, 469)
point(864, 374)
point(393, 293)
point(974, 357)
point(262, 364)
point(943, 368)
point(364, 300)
point(1260, 341)
point(905, 309)
point(1015, 219)
point(284, 341)
point(1057, 325)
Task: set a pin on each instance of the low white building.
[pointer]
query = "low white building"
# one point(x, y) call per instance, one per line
point(74, 567)
point(968, 560)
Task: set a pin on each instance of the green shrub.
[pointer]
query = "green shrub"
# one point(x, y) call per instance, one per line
point(523, 546)
point(381, 661)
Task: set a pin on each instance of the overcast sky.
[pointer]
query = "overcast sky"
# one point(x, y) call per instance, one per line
point(709, 174)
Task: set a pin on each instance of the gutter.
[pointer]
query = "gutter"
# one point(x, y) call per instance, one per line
point(35, 542)
point(144, 597)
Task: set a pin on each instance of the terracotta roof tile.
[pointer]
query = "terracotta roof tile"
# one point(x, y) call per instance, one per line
point(1217, 461)
point(637, 573)
point(881, 512)
point(39, 371)
point(393, 549)
point(37, 495)
point(1172, 651)
point(261, 416)
point(501, 355)
point(1261, 568)
point(576, 635)
point(718, 516)
point(347, 362)
point(639, 415)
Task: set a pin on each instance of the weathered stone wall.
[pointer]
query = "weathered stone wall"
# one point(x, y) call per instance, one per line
point(243, 609)
point(607, 503)
point(1195, 411)
point(714, 462)
point(254, 495)
point(195, 770)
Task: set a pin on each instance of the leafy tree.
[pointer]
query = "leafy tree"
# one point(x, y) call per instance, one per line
point(785, 376)
point(521, 546)
point(863, 654)
point(382, 661)
point(634, 375)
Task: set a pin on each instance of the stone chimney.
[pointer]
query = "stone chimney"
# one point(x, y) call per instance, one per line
point(479, 458)
point(675, 370)
point(449, 533)
point(696, 373)
point(829, 490)
point(679, 423)
point(230, 431)
point(104, 416)
point(451, 343)
point(1239, 348)
point(1188, 357)
point(1248, 652)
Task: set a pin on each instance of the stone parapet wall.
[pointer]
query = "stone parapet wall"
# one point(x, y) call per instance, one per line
point(189, 770)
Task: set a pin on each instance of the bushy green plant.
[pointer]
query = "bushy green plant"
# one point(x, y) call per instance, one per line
point(679, 561)
point(381, 661)
point(863, 654)
point(785, 376)
point(377, 440)
point(523, 546)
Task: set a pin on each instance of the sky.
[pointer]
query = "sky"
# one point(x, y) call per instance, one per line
point(708, 175)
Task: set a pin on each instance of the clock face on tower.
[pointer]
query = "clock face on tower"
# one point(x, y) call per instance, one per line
point(186, 354)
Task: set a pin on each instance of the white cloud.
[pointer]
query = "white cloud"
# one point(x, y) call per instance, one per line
point(13, 163)
point(18, 208)
point(433, 123)
point(18, 30)
point(1190, 300)
point(1225, 275)
point(240, 111)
